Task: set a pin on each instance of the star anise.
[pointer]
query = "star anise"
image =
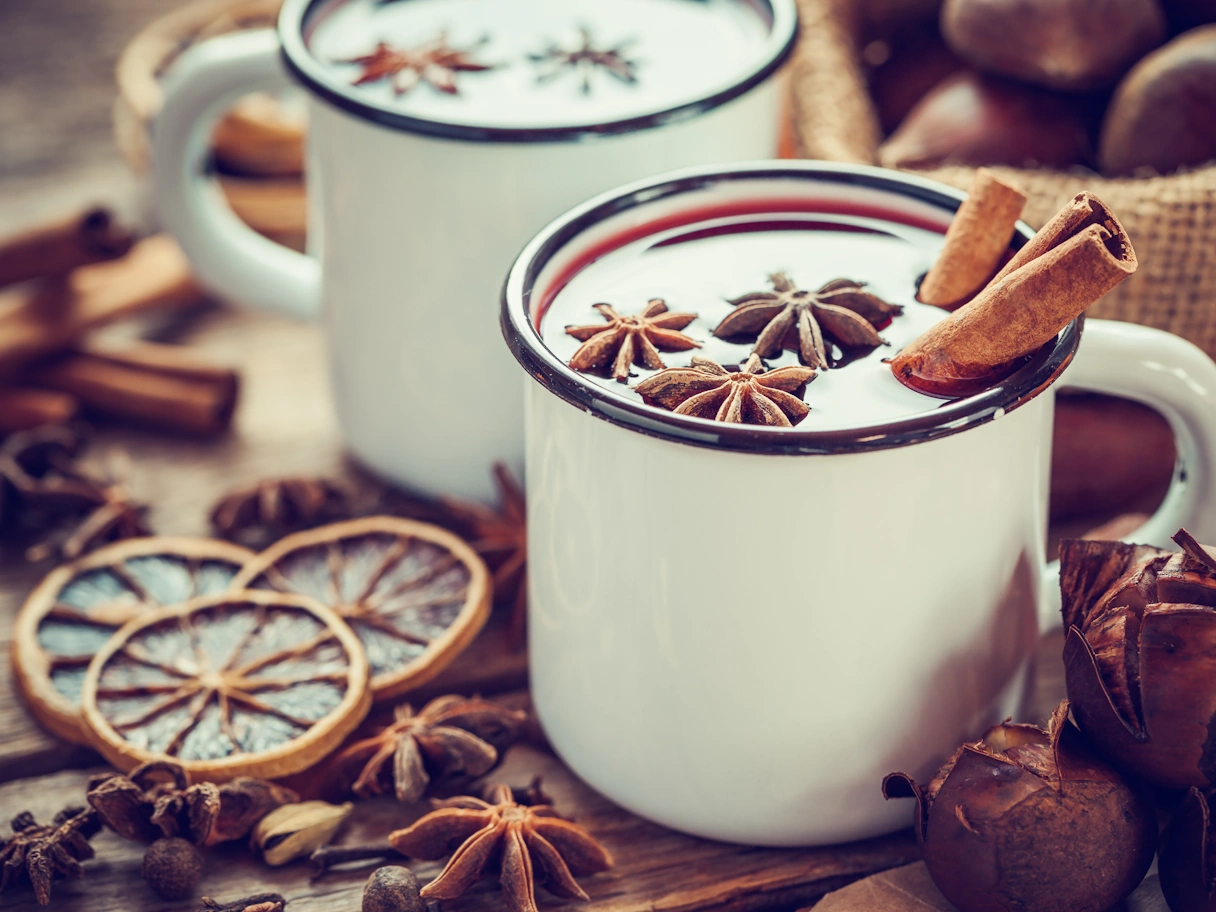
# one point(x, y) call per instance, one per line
point(788, 317)
point(42, 853)
point(631, 340)
point(501, 537)
point(262, 513)
point(749, 395)
point(435, 63)
point(451, 736)
point(584, 60)
point(527, 843)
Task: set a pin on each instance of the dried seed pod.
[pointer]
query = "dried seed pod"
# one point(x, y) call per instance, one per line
point(244, 802)
point(1027, 820)
point(172, 867)
point(1187, 871)
point(297, 830)
point(1141, 627)
point(393, 888)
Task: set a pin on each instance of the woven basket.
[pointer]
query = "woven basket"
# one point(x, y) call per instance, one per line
point(1171, 220)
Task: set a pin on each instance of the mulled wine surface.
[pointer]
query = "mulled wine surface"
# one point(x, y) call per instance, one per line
point(538, 63)
point(700, 268)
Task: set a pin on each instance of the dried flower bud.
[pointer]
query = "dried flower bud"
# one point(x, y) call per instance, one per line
point(297, 830)
point(260, 902)
point(1141, 629)
point(1027, 820)
point(393, 888)
point(172, 867)
point(1184, 863)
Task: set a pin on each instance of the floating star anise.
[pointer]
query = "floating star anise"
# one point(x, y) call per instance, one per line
point(435, 63)
point(451, 736)
point(262, 513)
point(788, 317)
point(42, 853)
point(749, 395)
point(584, 60)
point(631, 340)
point(527, 843)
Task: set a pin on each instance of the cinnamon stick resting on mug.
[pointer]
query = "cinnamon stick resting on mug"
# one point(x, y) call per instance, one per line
point(57, 248)
point(1077, 257)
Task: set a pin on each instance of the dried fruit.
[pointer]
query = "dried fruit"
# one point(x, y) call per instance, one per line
point(625, 341)
point(788, 317)
point(393, 888)
point(585, 60)
point(451, 736)
point(525, 842)
point(435, 63)
point(172, 867)
point(296, 830)
point(1074, 45)
point(259, 902)
point(749, 395)
point(262, 513)
point(975, 120)
point(78, 606)
point(1160, 117)
point(414, 594)
point(1141, 624)
point(41, 854)
point(1027, 819)
point(246, 684)
point(1185, 863)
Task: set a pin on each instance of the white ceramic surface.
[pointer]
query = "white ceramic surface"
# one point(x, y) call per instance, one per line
point(742, 644)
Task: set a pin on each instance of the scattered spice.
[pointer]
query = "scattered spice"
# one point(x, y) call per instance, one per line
point(326, 857)
point(527, 844)
point(41, 854)
point(451, 736)
point(262, 513)
point(393, 888)
point(259, 902)
point(750, 395)
point(625, 341)
point(172, 867)
point(295, 830)
point(56, 248)
point(435, 63)
point(789, 317)
point(531, 794)
point(584, 60)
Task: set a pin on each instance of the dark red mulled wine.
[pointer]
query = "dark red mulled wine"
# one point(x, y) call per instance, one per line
point(701, 267)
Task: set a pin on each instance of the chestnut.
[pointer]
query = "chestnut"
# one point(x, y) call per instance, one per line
point(1186, 871)
point(1163, 114)
point(969, 119)
point(1073, 45)
point(1141, 631)
point(1030, 820)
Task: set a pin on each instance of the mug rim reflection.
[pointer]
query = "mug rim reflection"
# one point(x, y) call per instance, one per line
point(524, 339)
point(317, 78)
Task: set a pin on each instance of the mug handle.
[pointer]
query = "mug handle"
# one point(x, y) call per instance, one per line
point(1174, 377)
point(227, 255)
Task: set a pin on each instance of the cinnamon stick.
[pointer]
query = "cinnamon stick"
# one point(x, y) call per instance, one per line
point(1081, 254)
point(55, 316)
point(25, 409)
point(58, 247)
point(260, 136)
point(977, 238)
point(161, 386)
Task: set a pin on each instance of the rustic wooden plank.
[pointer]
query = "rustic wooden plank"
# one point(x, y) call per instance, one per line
point(656, 869)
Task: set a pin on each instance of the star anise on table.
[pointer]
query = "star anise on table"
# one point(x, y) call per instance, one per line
point(789, 317)
point(624, 341)
point(42, 853)
point(262, 513)
point(584, 60)
point(527, 843)
point(750, 395)
point(451, 736)
point(435, 63)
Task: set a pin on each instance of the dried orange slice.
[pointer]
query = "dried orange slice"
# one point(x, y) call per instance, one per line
point(415, 594)
point(257, 684)
point(78, 606)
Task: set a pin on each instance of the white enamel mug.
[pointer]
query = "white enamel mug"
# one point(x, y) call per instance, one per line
point(737, 631)
point(416, 214)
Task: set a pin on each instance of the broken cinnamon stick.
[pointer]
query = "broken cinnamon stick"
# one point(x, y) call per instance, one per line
point(57, 248)
point(25, 409)
point(977, 239)
point(260, 136)
point(54, 317)
point(1081, 254)
point(161, 386)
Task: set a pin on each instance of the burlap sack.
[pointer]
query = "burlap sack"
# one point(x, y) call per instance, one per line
point(1171, 220)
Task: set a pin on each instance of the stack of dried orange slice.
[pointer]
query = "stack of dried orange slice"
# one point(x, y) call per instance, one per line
point(242, 664)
